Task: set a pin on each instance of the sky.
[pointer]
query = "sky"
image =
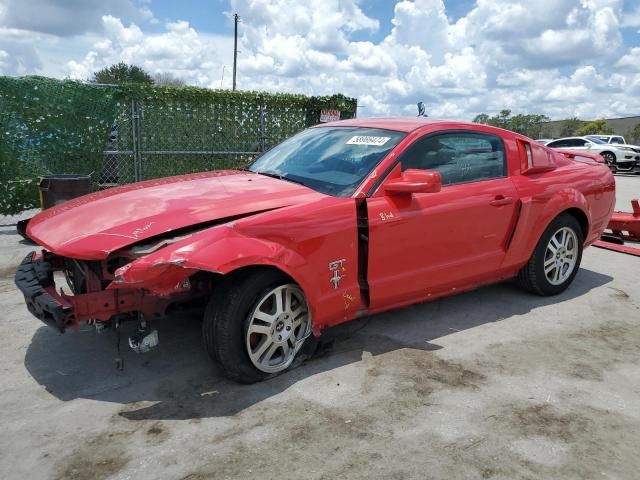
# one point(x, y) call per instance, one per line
point(560, 58)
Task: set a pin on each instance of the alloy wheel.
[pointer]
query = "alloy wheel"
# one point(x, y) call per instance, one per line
point(278, 326)
point(609, 158)
point(561, 255)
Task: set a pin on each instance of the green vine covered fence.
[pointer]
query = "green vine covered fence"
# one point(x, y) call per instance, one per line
point(120, 134)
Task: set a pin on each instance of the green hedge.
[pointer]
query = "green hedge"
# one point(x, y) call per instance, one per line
point(52, 126)
point(48, 126)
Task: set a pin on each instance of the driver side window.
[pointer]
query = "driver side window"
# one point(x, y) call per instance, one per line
point(459, 157)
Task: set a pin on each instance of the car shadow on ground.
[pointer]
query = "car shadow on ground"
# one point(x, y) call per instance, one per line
point(178, 381)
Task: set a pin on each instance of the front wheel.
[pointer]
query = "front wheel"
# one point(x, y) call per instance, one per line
point(556, 259)
point(255, 328)
point(609, 160)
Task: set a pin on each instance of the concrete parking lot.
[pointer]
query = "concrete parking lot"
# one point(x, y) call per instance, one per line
point(495, 383)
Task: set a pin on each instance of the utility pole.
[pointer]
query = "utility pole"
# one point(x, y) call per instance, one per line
point(235, 47)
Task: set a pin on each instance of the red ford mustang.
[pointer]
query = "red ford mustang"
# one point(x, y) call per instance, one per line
point(341, 220)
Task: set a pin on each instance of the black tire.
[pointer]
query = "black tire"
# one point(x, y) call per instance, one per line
point(609, 158)
point(532, 277)
point(226, 321)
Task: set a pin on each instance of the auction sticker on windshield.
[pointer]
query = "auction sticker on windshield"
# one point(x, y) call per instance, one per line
point(367, 140)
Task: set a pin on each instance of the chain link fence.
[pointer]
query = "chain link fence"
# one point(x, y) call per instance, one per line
point(124, 134)
point(152, 140)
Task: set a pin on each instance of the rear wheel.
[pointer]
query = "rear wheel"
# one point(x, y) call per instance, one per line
point(255, 327)
point(556, 259)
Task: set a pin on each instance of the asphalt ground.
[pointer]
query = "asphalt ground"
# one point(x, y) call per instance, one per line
point(495, 383)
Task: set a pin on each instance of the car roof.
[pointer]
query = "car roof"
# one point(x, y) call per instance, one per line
point(571, 138)
point(606, 137)
point(400, 124)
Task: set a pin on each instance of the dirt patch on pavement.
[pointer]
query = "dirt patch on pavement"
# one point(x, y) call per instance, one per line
point(546, 421)
point(106, 454)
point(7, 286)
point(394, 387)
point(7, 272)
point(419, 373)
point(590, 439)
point(156, 434)
point(100, 457)
point(606, 345)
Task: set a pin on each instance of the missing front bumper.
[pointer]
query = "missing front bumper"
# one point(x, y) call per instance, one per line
point(34, 278)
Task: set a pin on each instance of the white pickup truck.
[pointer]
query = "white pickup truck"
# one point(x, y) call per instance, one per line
point(611, 139)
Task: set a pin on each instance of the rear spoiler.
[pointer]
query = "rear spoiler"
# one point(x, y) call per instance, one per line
point(580, 156)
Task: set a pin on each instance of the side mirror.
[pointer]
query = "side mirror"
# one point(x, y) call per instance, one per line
point(415, 181)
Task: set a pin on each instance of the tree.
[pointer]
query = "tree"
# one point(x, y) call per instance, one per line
point(529, 125)
point(633, 135)
point(122, 73)
point(502, 119)
point(594, 128)
point(570, 126)
point(481, 118)
point(168, 79)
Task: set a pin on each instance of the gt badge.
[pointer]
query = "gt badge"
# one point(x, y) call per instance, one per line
point(336, 268)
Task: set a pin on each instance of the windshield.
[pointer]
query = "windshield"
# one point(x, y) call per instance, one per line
point(331, 160)
point(596, 140)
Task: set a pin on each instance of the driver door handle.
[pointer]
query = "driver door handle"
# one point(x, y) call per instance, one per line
point(501, 200)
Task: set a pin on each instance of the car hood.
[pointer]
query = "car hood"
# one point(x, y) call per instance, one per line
point(601, 148)
point(93, 226)
point(635, 148)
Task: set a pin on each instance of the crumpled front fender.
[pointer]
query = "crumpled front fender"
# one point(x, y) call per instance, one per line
point(218, 250)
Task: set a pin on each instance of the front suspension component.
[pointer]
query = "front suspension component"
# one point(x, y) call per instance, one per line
point(145, 338)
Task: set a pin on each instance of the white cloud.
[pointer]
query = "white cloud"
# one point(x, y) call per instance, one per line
point(631, 19)
point(147, 15)
point(20, 56)
point(546, 33)
point(114, 29)
point(180, 50)
point(630, 61)
point(322, 24)
point(68, 18)
point(370, 59)
point(502, 54)
point(557, 57)
point(421, 23)
point(371, 106)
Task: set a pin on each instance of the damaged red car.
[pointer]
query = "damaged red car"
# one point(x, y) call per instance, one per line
point(341, 220)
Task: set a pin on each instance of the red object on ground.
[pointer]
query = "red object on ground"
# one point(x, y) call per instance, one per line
point(616, 247)
point(624, 226)
point(627, 225)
